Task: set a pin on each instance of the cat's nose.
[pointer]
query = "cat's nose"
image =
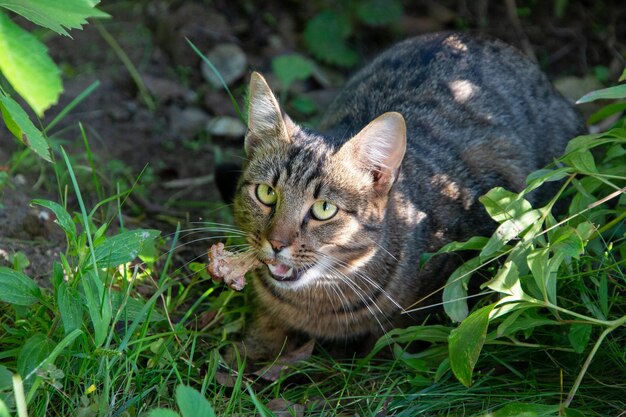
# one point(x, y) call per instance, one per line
point(277, 245)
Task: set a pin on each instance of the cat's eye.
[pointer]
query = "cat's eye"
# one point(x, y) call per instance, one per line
point(266, 194)
point(323, 210)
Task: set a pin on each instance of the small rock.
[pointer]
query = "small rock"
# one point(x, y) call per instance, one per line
point(186, 123)
point(229, 60)
point(226, 126)
point(163, 89)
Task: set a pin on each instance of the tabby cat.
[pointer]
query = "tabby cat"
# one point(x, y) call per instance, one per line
point(341, 217)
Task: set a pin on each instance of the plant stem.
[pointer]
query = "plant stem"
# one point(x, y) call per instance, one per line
point(615, 324)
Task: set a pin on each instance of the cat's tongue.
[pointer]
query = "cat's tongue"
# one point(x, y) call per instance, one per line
point(281, 271)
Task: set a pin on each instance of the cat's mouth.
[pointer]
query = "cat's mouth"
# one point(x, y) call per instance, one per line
point(282, 272)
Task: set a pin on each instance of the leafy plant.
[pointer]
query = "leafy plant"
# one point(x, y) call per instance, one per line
point(326, 35)
point(26, 65)
point(557, 274)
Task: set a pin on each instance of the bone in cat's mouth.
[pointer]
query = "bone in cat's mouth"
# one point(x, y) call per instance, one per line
point(282, 272)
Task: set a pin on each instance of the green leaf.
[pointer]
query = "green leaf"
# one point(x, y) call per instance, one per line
point(123, 248)
point(474, 243)
point(304, 105)
point(544, 271)
point(191, 403)
point(36, 349)
point(507, 281)
point(25, 63)
point(527, 410)
point(22, 127)
point(379, 12)
point(70, 306)
point(579, 335)
point(63, 218)
point(455, 291)
point(162, 412)
point(466, 342)
point(503, 205)
point(567, 241)
point(4, 410)
point(54, 14)
point(98, 304)
point(17, 288)
point(6, 378)
point(582, 161)
point(618, 91)
point(289, 68)
point(537, 178)
point(325, 37)
point(509, 230)
point(606, 112)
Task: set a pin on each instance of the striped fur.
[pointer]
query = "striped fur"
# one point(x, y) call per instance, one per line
point(478, 114)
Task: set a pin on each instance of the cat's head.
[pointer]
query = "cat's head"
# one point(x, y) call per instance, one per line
point(313, 210)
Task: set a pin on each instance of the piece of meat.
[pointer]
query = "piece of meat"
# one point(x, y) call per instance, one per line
point(229, 267)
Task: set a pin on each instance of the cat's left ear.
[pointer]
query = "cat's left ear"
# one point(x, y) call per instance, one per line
point(379, 148)
point(265, 120)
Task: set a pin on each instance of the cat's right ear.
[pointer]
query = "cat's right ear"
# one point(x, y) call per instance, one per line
point(265, 121)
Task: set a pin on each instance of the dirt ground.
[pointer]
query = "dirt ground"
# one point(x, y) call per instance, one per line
point(170, 137)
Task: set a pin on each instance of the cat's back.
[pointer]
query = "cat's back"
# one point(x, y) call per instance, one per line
point(448, 84)
point(476, 109)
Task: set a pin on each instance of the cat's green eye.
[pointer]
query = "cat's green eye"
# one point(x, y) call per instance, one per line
point(323, 210)
point(266, 194)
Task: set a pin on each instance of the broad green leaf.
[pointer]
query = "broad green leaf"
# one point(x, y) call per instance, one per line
point(289, 68)
point(98, 305)
point(325, 37)
point(402, 336)
point(17, 288)
point(63, 218)
point(579, 335)
point(537, 178)
point(4, 410)
point(523, 320)
point(379, 12)
point(70, 306)
point(507, 281)
point(58, 349)
point(6, 378)
point(606, 112)
point(466, 342)
point(537, 260)
point(455, 291)
point(162, 412)
point(508, 230)
point(568, 241)
point(25, 63)
point(474, 243)
point(191, 403)
point(54, 14)
point(618, 91)
point(527, 410)
point(503, 205)
point(23, 128)
point(123, 248)
point(36, 349)
point(582, 161)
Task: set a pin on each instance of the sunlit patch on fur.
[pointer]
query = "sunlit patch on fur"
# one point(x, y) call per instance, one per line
point(453, 41)
point(462, 90)
point(409, 214)
point(446, 186)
